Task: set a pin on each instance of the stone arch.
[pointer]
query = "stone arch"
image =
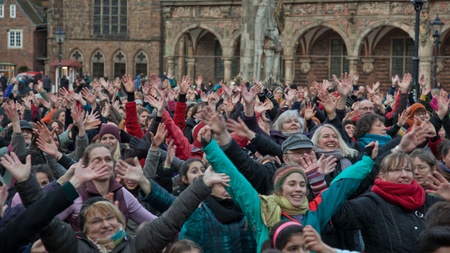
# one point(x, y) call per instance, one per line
point(302, 30)
point(77, 54)
point(369, 28)
point(233, 38)
point(190, 27)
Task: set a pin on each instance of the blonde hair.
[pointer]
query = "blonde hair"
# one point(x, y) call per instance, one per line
point(105, 208)
point(346, 150)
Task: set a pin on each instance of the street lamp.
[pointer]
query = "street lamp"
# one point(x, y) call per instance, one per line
point(436, 28)
point(59, 36)
point(418, 4)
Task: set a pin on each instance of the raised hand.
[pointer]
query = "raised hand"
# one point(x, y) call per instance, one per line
point(3, 198)
point(92, 121)
point(43, 132)
point(375, 146)
point(158, 139)
point(402, 118)
point(443, 101)
point(313, 242)
point(344, 86)
point(106, 110)
point(404, 84)
point(18, 170)
point(210, 178)
point(416, 136)
point(213, 119)
point(376, 86)
point(240, 128)
point(328, 102)
point(395, 79)
point(49, 148)
point(11, 111)
point(309, 162)
point(199, 81)
point(423, 81)
point(159, 105)
point(205, 134)
point(128, 83)
point(228, 91)
point(326, 164)
point(326, 84)
point(309, 111)
point(426, 90)
point(170, 154)
point(290, 96)
point(184, 85)
point(439, 186)
point(77, 115)
point(88, 96)
point(83, 174)
point(129, 172)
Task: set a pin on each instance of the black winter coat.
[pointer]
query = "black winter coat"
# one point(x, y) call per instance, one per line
point(385, 227)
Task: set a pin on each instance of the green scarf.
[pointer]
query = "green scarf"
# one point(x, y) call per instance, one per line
point(107, 245)
point(273, 205)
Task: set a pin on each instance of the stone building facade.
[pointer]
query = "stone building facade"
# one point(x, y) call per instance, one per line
point(375, 39)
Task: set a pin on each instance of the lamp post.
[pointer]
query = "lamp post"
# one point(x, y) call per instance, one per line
point(59, 36)
point(436, 26)
point(418, 4)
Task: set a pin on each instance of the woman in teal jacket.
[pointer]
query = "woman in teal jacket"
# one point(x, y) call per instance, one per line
point(265, 211)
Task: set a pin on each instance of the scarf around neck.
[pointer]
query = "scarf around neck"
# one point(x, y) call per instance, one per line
point(273, 205)
point(444, 170)
point(367, 138)
point(107, 245)
point(408, 196)
point(344, 162)
point(224, 210)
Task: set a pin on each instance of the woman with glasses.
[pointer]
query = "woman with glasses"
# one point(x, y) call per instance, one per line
point(391, 216)
point(424, 165)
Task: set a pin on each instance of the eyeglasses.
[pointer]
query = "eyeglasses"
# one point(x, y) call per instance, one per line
point(421, 168)
point(97, 221)
point(420, 113)
point(399, 171)
point(298, 153)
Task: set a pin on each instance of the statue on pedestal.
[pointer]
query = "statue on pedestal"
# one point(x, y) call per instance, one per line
point(269, 25)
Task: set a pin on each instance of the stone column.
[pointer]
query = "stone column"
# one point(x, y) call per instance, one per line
point(181, 57)
point(425, 69)
point(352, 65)
point(170, 66)
point(227, 61)
point(190, 67)
point(289, 69)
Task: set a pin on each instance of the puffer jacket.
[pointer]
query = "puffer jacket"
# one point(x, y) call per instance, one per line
point(59, 237)
point(385, 227)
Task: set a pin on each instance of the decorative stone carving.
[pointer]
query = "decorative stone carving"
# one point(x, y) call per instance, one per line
point(401, 8)
point(335, 8)
point(225, 10)
point(167, 12)
point(182, 12)
point(368, 65)
point(440, 65)
point(236, 11)
point(305, 66)
point(369, 8)
point(303, 9)
point(211, 12)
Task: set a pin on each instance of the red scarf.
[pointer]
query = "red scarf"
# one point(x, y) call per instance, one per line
point(411, 197)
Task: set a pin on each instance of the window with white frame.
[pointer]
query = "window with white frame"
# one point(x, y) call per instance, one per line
point(15, 39)
point(2, 11)
point(12, 11)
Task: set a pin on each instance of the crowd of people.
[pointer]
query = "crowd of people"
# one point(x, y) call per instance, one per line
point(163, 165)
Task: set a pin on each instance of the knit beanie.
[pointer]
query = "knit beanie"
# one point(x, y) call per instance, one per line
point(110, 129)
point(413, 108)
point(283, 172)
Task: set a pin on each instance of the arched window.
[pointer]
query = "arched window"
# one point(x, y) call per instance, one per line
point(77, 55)
point(120, 66)
point(98, 64)
point(141, 63)
point(110, 18)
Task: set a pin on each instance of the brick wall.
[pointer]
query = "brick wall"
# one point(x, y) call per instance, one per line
point(205, 63)
point(25, 55)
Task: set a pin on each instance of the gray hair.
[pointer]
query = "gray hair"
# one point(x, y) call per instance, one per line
point(289, 114)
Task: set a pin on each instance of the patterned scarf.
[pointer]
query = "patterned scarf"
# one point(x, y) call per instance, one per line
point(273, 205)
point(409, 196)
